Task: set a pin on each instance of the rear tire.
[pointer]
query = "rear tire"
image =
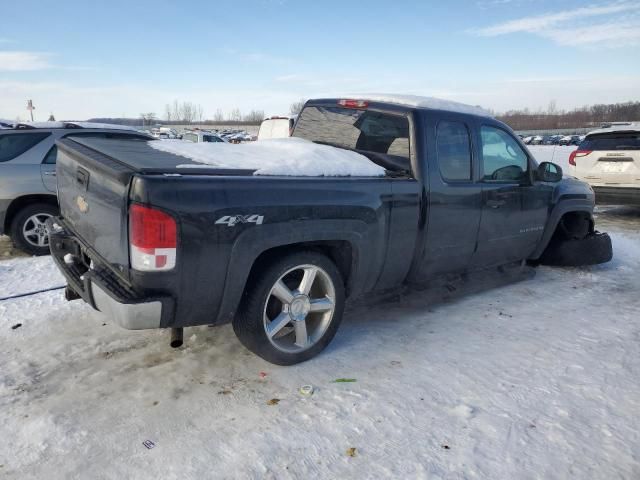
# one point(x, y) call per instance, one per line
point(292, 309)
point(593, 249)
point(27, 228)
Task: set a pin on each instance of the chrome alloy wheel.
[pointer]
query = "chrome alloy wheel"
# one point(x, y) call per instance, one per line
point(35, 231)
point(299, 308)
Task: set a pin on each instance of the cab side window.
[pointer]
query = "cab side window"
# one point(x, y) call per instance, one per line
point(454, 151)
point(502, 157)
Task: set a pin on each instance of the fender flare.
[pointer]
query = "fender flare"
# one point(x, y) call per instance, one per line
point(254, 242)
point(561, 208)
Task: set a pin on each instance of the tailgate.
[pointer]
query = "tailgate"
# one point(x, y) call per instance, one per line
point(93, 193)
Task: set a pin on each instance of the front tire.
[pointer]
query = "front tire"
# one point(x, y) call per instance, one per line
point(292, 310)
point(27, 228)
point(593, 249)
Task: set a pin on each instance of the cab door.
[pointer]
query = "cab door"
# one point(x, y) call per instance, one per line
point(454, 196)
point(48, 169)
point(514, 207)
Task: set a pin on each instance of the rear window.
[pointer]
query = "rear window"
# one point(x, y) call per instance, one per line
point(454, 151)
point(612, 141)
point(382, 137)
point(13, 145)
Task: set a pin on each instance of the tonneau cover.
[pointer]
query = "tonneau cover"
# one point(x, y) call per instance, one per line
point(124, 157)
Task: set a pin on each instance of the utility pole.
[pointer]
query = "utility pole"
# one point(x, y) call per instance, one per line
point(31, 108)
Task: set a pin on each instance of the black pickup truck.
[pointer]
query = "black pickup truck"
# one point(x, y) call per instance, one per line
point(155, 241)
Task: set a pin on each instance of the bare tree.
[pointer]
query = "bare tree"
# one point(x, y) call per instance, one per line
point(254, 116)
point(148, 118)
point(168, 113)
point(175, 111)
point(296, 107)
point(218, 116)
point(235, 115)
point(198, 113)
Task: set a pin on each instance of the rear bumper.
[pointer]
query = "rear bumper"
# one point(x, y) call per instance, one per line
point(617, 195)
point(101, 289)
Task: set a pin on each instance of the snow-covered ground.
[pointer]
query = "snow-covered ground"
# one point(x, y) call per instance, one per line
point(537, 379)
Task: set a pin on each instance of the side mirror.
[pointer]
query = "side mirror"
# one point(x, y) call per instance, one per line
point(549, 172)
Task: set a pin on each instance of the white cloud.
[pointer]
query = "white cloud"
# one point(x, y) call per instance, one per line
point(606, 34)
point(23, 61)
point(578, 27)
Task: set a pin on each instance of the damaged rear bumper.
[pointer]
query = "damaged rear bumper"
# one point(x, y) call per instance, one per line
point(98, 286)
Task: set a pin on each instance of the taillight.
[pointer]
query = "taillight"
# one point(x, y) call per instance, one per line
point(353, 103)
point(577, 153)
point(152, 239)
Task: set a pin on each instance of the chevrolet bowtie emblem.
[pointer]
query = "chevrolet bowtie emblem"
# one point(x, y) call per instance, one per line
point(83, 206)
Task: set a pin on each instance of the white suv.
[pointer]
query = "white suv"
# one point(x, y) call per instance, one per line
point(609, 160)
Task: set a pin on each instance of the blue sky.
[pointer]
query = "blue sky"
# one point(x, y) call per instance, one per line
point(112, 58)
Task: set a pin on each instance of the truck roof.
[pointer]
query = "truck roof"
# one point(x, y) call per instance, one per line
point(416, 101)
point(5, 124)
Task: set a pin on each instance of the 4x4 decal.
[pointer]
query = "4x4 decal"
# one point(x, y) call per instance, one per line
point(233, 220)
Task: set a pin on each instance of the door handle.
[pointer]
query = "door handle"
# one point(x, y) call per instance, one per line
point(51, 174)
point(495, 203)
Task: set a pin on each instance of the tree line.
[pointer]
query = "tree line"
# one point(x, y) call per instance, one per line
point(550, 119)
point(588, 116)
point(187, 112)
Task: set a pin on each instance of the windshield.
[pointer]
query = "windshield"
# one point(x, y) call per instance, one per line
point(382, 137)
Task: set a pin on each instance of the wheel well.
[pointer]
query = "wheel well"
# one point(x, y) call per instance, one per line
point(21, 202)
point(338, 251)
point(574, 225)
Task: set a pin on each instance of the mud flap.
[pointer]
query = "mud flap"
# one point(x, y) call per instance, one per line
point(593, 249)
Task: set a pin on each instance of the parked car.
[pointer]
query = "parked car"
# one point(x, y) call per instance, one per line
point(156, 241)
point(527, 140)
point(197, 136)
point(277, 127)
point(537, 140)
point(551, 140)
point(570, 140)
point(27, 176)
point(609, 159)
